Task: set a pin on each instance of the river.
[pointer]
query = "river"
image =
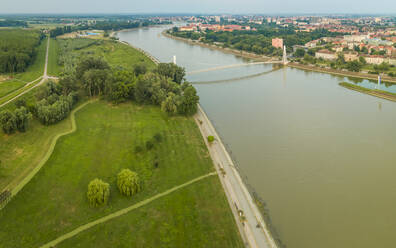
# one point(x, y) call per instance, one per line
point(321, 156)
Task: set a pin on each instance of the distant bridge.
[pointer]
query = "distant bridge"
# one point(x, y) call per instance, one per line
point(232, 66)
point(284, 61)
point(236, 78)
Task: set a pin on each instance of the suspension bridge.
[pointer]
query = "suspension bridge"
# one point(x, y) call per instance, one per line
point(284, 61)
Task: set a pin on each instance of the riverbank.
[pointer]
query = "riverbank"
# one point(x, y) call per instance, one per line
point(342, 73)
point(292, 64)
point(376, 93)
point(225, 50)
point(253, 229)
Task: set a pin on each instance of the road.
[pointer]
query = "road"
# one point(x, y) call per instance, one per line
point(252, 227)
point(43, 78)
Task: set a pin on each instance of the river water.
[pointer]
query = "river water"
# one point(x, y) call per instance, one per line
point(322, 157)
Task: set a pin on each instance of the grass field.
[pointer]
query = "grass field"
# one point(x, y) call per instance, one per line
point(10, 86)
point(54, 202)
point(116, 54)
point(53, 67)
point(172, 221)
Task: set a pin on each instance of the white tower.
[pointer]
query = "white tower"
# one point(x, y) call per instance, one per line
point(174, 59)
point(284, 59)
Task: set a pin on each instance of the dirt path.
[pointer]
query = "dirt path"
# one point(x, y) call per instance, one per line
point(122, 211)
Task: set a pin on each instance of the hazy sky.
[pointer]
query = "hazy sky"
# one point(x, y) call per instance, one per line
point(197, 6)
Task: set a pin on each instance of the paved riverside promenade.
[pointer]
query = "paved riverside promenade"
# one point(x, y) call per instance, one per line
point(249, 220)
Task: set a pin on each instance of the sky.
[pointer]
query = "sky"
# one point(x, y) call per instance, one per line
point(199, 6)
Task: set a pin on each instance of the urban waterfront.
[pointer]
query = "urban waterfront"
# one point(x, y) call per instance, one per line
point(321, 156)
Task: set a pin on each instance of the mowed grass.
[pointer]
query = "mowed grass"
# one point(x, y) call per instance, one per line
point(118, 54)
point(195, 216)
point(54, 69)
point(9, 86)
point(54, 202)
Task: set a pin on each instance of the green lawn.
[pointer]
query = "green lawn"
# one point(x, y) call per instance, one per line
point(10, 86)
point(181, 219)
point(117, 54)
point(54, 69)
point(54, 202)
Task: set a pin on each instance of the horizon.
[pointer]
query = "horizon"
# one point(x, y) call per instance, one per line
point(209, 7)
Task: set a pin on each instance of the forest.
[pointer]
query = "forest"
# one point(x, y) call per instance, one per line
point(18, 49)
point(13, 23)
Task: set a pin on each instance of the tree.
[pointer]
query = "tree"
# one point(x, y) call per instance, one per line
point(149, 145)
point(94, 81)
point(98, 192)
point(169, 105)
point(8, 121)
point(189, 100)
point(354, 66)
point(172, 71)
point(211, 138)
point(89, 63)
point(299, 52)
point(68, 84)
point(128, 182)
point(362, 60)
point(140, 69)
point(22, 117)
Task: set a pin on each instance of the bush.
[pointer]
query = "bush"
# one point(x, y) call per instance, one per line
point(128, 182)
point(211, 139)
point(158, 137)
point(138, 149)
point(149, 145)
point(98, 192)
point(8, 121)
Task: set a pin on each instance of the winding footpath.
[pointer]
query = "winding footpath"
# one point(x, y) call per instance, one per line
point(47, 155)
point(43, 78)
point(123, 211)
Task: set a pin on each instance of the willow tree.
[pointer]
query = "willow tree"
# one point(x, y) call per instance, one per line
point(128, 182)
point(98, 192)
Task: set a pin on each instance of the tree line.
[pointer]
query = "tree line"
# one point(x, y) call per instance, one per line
point(18, 47)
point(164, 86)
point(13, 23)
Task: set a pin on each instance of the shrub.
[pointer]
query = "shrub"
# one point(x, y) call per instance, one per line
point(98, 192)
point(8, 121)
point(211, 139)
point(158, 137)
point(128, 182)
point(149, 145)
point(138, 149)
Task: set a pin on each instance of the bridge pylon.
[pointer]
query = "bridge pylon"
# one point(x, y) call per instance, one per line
point(284, 59)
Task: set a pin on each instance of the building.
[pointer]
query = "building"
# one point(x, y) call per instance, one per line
point(326, 54)
point(351, 56)
point(355, 38)
point(277, 42)
point(374, 59)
